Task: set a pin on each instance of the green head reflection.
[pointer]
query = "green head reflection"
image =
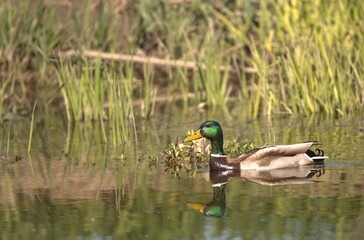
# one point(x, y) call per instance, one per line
point(217, 206)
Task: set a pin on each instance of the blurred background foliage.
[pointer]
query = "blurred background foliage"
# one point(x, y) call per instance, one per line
point(286, 56)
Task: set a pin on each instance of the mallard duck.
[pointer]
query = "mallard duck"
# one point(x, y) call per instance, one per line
point(265, 158)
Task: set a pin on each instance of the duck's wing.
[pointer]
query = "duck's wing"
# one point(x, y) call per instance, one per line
point(274, 151)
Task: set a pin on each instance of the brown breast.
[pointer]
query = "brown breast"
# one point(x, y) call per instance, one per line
point(220, 163)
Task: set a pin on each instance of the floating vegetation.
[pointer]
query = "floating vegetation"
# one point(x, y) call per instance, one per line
point(175, 158)
point(186, 157)
point(182, 157)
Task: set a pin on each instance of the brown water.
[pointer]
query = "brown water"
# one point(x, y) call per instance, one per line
point(75, 186)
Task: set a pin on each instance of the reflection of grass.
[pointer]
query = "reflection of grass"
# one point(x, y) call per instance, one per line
point(80, 188)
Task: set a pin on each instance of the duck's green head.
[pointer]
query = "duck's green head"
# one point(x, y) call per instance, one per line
point(212, 131)
point(209, 211)
point(209, 129)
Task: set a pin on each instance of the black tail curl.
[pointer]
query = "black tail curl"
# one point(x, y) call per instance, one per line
point(316, 155)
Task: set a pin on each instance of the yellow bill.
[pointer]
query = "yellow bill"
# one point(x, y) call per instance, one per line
point(197, 206)
point(193, 136)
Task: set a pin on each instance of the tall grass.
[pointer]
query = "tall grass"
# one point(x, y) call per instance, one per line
point(306, 60)
point(96, 92)
point(301, 57)
point(148, 93)
point(214, 82)
point(311, 71)
point(120, 105)
point(95, 26)
point(31, 129)
point(4, 85)
point(83, 90)
point(29, 33)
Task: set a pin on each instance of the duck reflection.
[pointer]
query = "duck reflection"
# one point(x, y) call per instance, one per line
point(216, 207)
point(219, 180)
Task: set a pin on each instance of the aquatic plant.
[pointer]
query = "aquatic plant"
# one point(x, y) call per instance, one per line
point(186, 157)
point(268, 56)
point(180, 157)
point(3, 88)
point(120, 110)
point(214, 82)
point(95, 92)
point(234, 148)
point(29, 34)
point(296, 70)
point(83, 90)
point(31, 129)
point(149, 93)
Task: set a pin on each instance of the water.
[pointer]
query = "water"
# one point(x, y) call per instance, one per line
point(74, 186)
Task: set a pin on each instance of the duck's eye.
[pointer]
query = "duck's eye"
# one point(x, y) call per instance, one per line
point(208, 125)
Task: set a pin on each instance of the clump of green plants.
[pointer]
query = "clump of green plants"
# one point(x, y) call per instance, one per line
point(175, 158)
point(234, 148)
point(83, 89)
point(95, 91)
point(186, 157)
point(181, 157)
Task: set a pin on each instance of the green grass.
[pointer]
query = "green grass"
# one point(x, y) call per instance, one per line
point(31, 129)
point(148, 93)
point(83, 89)
point(120, 107)
point(93, 92)
point(214, 82)
point(310, 71)
point(300, 58)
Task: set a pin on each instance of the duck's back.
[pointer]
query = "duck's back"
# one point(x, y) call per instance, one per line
point(273, 157)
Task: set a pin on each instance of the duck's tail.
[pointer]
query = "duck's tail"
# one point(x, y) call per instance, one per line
point(317, 156)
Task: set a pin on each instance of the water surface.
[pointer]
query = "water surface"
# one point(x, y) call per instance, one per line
point(75, 186)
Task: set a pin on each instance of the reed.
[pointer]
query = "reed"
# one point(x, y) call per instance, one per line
point(31, 128)
point(302, 68)
point(148, 94)
point(94, 25)
point(83, 89)
point(305, 57)
point(117, 112)
point(214, 82)
point(3, 89)
point(182, 85)
point(168, 26)
point(120, 109)
point(28, 38)
point(8, 141)
point(95, 91)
